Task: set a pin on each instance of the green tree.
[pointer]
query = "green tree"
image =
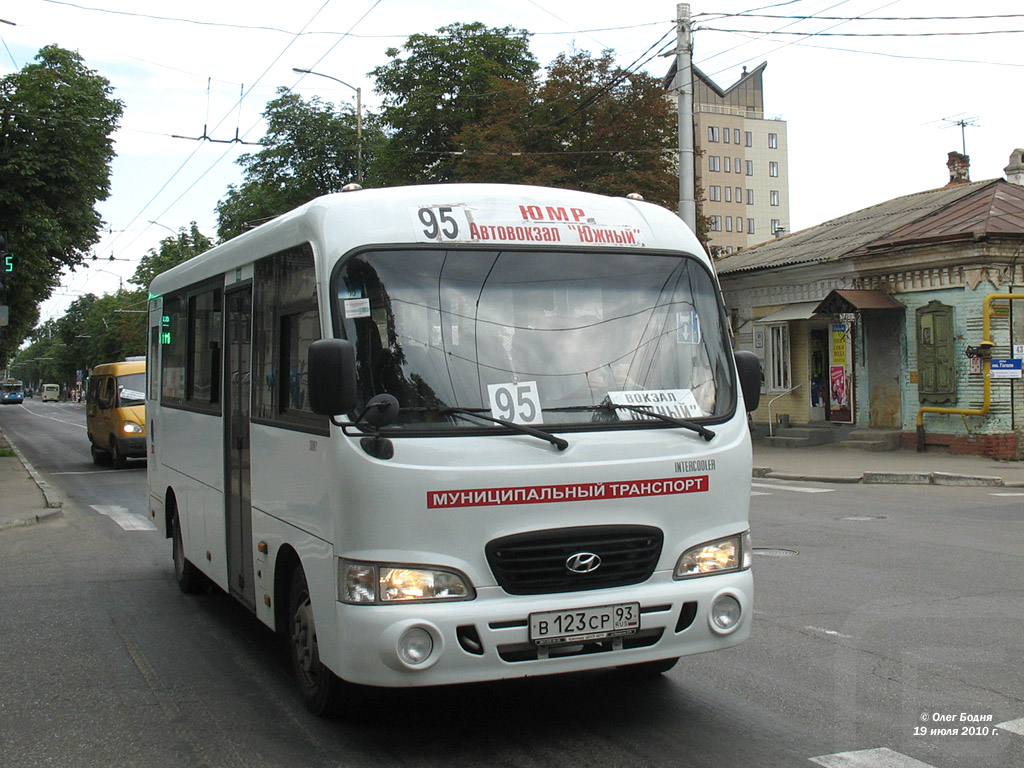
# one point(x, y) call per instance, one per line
point(604, 129)
point(310, 149)
point(444, 85)
point(173, 251)
point(56, 121)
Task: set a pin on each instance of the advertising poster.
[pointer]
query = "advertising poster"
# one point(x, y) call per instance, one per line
point(841, 374)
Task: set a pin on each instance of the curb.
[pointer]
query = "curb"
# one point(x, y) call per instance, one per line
point(54, 505)
point(891, 478)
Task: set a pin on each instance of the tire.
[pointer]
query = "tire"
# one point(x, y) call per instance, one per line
point(189, 578)
point(117, 459)
point(99, 457)
point(321, 689)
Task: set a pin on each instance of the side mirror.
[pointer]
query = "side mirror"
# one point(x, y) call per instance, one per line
point(749, 368)
point(332, 376)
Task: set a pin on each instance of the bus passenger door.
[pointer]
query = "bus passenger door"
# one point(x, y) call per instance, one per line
point(237, 390)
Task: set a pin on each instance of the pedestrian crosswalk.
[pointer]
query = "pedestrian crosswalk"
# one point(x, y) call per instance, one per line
point(883, 757)
point(129, 521)
point(770, 488)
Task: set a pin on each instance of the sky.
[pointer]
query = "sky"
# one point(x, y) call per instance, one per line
point(872, 106)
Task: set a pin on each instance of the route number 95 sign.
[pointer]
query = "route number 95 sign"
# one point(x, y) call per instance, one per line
point(518, 402)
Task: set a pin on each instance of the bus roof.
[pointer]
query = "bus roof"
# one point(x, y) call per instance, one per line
point(498, 215)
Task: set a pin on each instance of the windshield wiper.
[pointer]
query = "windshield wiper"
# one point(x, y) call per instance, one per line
point(556, 441)
point(704, 432)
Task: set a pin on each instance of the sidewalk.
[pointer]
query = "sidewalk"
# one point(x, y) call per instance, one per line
point(26, 499)
point(833, 463)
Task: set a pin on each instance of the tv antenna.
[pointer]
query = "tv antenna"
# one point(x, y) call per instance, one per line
point(964, 123)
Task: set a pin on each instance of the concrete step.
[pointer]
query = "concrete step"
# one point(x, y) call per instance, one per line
point(789, 441)
point(802, 436)
point(874, 440)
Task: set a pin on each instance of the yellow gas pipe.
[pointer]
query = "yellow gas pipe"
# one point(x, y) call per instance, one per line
point(986, 345)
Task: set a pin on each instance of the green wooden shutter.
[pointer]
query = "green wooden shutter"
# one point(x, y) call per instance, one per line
point(936, 369)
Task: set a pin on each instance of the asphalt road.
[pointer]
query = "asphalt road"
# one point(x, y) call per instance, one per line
point(880, 611)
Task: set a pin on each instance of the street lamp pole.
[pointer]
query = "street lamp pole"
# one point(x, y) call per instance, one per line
point(359, 116)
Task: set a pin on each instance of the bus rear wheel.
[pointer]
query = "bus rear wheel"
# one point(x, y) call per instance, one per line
point(190, 580)
point(321, 688)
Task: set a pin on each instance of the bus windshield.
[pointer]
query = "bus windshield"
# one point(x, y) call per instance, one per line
point(536, 337)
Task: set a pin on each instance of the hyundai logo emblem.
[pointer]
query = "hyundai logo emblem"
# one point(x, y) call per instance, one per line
point(583, 562)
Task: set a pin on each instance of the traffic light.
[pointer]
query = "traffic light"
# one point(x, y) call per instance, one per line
point(8, 261)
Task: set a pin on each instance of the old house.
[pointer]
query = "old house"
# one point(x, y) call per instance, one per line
point(904, 318)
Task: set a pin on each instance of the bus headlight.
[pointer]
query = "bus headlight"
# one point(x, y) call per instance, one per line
point(131, 428)
point(720, 556)
point(360, 583)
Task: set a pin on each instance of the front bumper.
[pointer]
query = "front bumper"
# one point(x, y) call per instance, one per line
point(132, 447)
point(488, 638)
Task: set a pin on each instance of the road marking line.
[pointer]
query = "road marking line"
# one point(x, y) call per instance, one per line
point(794, 488)
point(1008, 493)
point(1013, 726)
point(124, 518)
point(51, 418)
point(760, 493)
point(830, 632)
point(869, 758)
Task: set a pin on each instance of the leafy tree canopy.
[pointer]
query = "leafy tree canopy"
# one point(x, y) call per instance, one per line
point(310, 149)
point(56, 121)
point(445, 84)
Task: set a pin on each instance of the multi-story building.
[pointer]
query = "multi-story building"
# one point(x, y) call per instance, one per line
point(742, 173)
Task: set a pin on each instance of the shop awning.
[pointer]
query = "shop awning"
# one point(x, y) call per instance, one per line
point(840, 301)
point(802, 311)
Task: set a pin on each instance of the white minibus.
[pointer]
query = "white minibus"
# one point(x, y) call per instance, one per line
point(455, 433)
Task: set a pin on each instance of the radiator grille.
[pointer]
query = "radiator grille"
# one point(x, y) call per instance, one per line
point(535, 563)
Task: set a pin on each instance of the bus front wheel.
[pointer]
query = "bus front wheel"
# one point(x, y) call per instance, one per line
point(321, 688)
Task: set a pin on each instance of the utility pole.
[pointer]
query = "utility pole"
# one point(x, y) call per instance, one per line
point(684, 87)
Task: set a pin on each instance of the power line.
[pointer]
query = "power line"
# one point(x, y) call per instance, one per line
point(866, 34)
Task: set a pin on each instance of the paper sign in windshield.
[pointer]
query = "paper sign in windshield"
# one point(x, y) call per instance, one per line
point(677, 403)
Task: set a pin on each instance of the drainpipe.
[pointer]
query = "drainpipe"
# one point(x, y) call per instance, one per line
point(984, 350)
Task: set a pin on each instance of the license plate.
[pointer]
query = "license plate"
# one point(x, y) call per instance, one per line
point(584, 623)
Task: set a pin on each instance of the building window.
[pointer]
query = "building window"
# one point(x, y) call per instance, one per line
point(728, 165)
point(750, 197)
point(773, 141)
point(725, 135)
point(728, 194)
point(714, 163)
point(728, 222)
point(736, 135)
point(748, 139)
point(738, 165)
point(712, 133)
point(739, 195)
point(750, 167)
point(714, 194)
point(716, 223)
point(776, 225)
point(773, 197)
point(778, 357)
point(750, 226)
point(773, 169)
point(936, 363)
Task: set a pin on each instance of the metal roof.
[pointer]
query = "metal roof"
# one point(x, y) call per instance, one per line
point(904, 219)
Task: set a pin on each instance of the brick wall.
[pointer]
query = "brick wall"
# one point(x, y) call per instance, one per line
point(1005, 446)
